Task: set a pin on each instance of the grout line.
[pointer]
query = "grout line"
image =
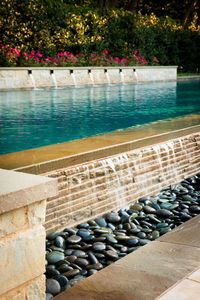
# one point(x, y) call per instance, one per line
point(173, 287)
point(197, 281)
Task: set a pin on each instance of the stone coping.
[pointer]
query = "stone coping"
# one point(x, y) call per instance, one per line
point(77, 159)
point(47, 158)
point(146, 273)
point(86, 68)
point(83, 157)
point(20, 189)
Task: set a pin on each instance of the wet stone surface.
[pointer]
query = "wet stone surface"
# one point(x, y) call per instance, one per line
point(76, 253)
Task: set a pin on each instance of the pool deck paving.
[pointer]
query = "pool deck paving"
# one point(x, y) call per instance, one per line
point(165, 269)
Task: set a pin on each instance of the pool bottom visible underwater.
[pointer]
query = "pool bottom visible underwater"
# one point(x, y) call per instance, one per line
point(30, 119)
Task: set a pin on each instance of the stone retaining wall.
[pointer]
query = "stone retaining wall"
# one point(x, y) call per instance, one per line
point(22, 235)
point(17, 78)
point(93, 188)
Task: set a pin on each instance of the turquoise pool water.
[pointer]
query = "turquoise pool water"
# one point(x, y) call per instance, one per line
point(30, 119)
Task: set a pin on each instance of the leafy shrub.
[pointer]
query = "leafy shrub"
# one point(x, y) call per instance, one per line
point(53, 26)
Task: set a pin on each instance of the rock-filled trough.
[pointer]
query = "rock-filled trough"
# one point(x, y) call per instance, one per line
point(76, 253)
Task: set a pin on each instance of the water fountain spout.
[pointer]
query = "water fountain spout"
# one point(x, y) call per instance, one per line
point(135, 74)
point(107, 76)
point(73, 77)
point(121, 75)
point(91, 77)
point(53, 77)
point(32, 79)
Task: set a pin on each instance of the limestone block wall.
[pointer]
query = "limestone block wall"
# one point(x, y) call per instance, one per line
point(17, 78)
point(14, 78)
point(93, 188)
point(22, 235)
point(153, 74)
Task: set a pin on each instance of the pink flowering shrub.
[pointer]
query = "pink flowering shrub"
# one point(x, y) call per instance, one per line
point(15, 57)
point(155, 60)
point(10, 55)
point(139, 59)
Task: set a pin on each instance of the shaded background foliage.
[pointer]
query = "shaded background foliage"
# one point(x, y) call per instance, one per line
point(168, 30)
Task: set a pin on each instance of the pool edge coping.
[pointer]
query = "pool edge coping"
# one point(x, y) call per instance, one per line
point(99, 153)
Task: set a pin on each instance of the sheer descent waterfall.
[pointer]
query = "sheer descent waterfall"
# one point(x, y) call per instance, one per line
point(74, 78)
point(32, 80)
point(107, 76)
point(93, 188)
point(91, 78)
point(121, 76)
point(53, 77)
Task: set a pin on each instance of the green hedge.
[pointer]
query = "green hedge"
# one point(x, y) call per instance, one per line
point(61, 27)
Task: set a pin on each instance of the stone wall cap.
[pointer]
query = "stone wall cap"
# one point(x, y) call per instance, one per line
point(85, 68)
point(19, 189)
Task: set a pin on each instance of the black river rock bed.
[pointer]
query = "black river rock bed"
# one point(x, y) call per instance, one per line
point(76, 253)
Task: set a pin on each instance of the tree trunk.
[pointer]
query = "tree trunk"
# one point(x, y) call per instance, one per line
point(190, 10)
point(132, 5)
point(102, 6)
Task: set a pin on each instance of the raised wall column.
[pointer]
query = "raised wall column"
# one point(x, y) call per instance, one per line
point(22, 235)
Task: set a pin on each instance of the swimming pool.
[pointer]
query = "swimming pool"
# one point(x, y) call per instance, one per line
point(34, 118)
